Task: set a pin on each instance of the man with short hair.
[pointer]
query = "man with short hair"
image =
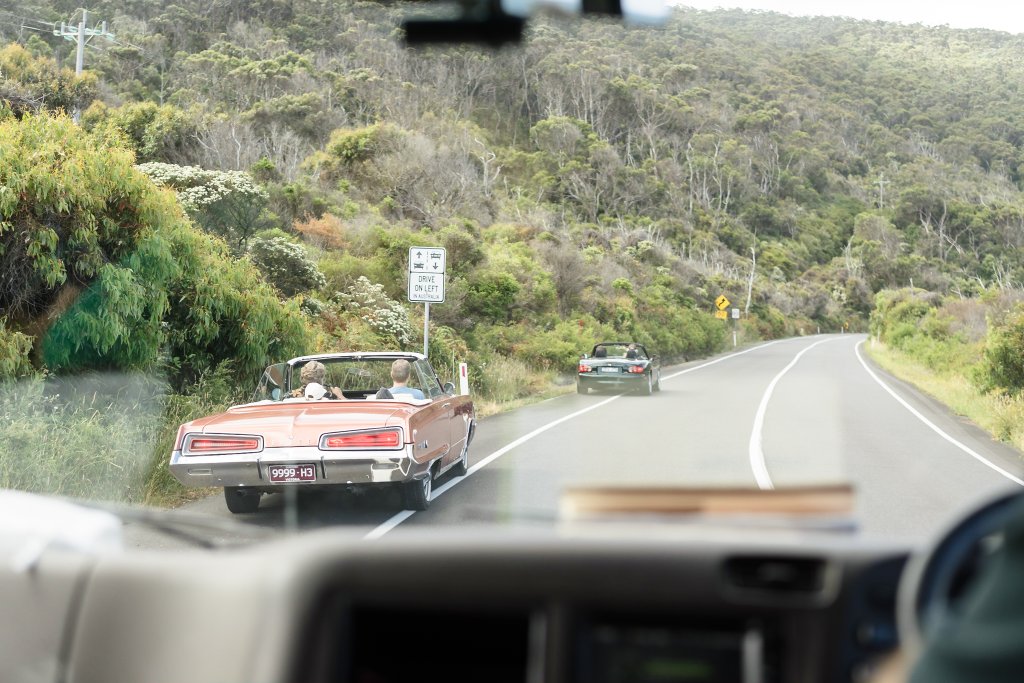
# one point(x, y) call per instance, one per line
point(401, 369)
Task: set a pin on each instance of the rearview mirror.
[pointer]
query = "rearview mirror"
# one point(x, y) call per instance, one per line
point(275, 394)
point(497, 22)
point(449, 388)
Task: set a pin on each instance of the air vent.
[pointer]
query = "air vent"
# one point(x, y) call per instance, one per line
point(779, 575)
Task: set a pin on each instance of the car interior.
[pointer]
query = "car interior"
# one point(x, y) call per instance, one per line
point(613, 602)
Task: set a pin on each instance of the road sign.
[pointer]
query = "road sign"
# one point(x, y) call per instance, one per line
point(427, 259)
point(735, 314)
point(426, 274)
point(722, 302)
point(426, 287)
point(722, 315)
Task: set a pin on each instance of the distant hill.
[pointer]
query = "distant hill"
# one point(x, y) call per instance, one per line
point(596, 172)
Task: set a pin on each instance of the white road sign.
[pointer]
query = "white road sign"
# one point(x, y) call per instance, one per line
point(426, 274)
point(426, 287)
point(427, 259)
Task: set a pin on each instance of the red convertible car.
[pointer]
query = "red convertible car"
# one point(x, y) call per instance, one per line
point(332, 420)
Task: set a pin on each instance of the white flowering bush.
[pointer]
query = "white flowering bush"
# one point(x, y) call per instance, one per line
point(382, 313)
point(227, 203)
point(286, 265)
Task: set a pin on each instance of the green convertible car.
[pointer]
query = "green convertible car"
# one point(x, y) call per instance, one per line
point(621, 366)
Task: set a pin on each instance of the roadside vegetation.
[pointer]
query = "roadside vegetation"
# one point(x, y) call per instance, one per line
point(967, 353)
point(243, 185)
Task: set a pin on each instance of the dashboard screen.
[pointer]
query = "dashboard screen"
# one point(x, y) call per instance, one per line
point(657, 654)
point(414, 645)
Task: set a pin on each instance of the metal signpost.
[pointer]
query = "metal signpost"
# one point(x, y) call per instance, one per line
point(426, 281)
point(722, 303)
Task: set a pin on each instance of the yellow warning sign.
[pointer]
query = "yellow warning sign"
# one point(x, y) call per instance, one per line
point(722, 302)
point(722, 315)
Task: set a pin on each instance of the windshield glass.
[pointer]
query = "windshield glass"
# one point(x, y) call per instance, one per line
point(276, 265)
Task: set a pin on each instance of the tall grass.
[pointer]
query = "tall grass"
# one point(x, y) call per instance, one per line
point(100, 437)
point(504, 383)
point(999, 414)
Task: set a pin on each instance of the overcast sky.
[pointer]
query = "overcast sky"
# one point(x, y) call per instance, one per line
point(1004, 15)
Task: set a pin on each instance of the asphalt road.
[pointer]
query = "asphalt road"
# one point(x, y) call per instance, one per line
point(811, 410)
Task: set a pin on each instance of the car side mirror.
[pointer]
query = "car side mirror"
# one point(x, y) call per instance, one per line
point(449, 388)
point(584, 356)
point(275, 393)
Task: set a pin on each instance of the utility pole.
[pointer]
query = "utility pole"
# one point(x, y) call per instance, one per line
point(750, 282)
point(81, 35)
point(882, 182)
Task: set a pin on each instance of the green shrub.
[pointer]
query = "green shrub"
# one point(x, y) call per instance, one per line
point(286, 265)
point(14, 350)
point(1003, 365)
point(896, 309)
point(221, 310)
point(491, 295)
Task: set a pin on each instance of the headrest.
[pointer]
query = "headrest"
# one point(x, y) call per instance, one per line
point(315, 391)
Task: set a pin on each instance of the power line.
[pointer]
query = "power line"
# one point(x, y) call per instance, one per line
point(22, 19)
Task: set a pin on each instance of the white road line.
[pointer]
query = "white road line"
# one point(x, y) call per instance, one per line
point(932, 426)
point(757, 463)
point(400, 517)
point(406, 514)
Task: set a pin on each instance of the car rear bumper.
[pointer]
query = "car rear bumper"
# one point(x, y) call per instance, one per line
point(594, 380)
point(332, 468)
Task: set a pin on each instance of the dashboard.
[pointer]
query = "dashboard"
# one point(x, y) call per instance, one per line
point(460, 605)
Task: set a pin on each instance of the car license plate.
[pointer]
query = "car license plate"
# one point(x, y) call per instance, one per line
point(284, 474)
point(608, 369)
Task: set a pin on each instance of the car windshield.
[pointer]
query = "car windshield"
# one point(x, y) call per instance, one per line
point(294, 265)
point(356, 376)
point(611, 350)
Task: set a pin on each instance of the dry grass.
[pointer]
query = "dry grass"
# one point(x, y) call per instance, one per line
point(1000, 415)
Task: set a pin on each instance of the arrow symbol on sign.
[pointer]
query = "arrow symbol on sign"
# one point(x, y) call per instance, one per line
point(419, 254)
point(435, 266)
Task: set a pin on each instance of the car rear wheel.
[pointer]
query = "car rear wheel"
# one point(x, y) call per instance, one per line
point(417, 492)
point(241, 500)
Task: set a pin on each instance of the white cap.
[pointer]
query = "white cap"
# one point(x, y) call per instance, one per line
point(315, 391)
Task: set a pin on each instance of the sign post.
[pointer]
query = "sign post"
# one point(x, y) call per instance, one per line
point(426, 281)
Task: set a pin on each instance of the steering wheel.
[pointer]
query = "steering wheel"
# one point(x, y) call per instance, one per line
point(938, 577)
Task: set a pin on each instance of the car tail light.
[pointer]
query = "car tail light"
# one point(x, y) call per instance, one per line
point(376, 439)
point(585, 368)
point(213, 444)
point(636, 369)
